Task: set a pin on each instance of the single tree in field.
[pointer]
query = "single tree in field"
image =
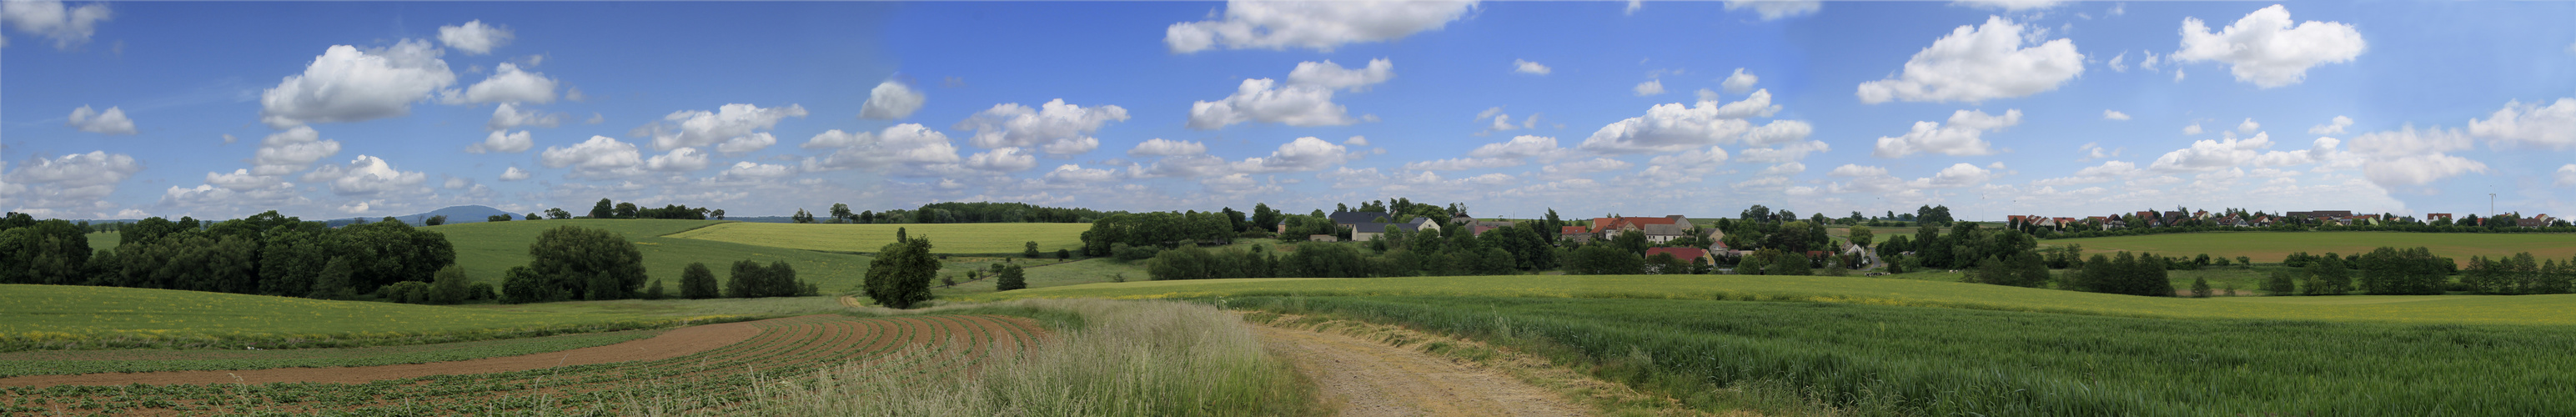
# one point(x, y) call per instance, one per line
point(802, 216)
point(605, 209)
point(532, 216)
point(900, 276)
point(434, 220)
point(841, 213)
point(1861, 235)
point(592, 264)
point(627, 210)
point(698, 283)
point(1011, 278)
point(1031, 252)
point(2200, 287)
point(558, 213)
point(719, 213)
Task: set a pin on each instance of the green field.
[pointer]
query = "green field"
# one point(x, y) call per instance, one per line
point(59, 362)
point(104, 240)
point(1720, 356)
point(486, 250)
point(954, 238)
point(58, 317)
point(2463, 309)
point(2269, 247)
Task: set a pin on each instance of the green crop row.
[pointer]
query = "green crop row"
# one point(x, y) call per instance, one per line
point(90, 362)
point(1889, 360)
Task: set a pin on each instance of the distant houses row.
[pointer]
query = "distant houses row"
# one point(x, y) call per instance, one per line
point(2204, 217)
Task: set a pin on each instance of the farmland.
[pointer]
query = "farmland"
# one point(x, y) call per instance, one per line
point(958, 238)
point(2273, 246)
point(69, 317)
point(58, 362)
point(486, 250)
point(1895, 360)
point(2515, 310)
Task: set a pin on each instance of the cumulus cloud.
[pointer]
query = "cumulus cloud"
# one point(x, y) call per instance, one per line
point(1520, 147)
point(110, 122)
point(2193, 129)
point(1785, 168)
point(348, 85)
point(1739, 81)
point(1002, 160)
point(1977, 63)
point(508, 116)
point(599, 157)
point(474, 37)
point(67, 26)
point(509, 84)
point(1649, 88)
point(2414, 157)
point(2268, 49)
point(891, 100)
point(1460, 164)
point(2336, 128)
point(2567, 175)
point(747, 143)
point(70, 181)
point(1076, 174)
point(1964, 135)
point(2552, 126)
point(366, 176)
point(503, 142)
point(514, 174)
point(2114, 115)
point(1167, 147)
point(1305, 100)
point(294, 149)
point(1785, 153)
point(2212, 155)
point(906, 144)
point(2248, 127)
point(1673, 127)
point(1777, 9)
point(1526, 67)
point(1356, 140)
point(698, 128)
point(1961, 175)
point(1318, 25)
point(2013, 5)
point(1584, 167)
point(1303, 154)
point(1063, 129)
point(677, 160)
point(748, 170)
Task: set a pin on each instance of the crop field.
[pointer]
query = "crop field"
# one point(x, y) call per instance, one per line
point(61, 362)
point(954, 238)
point(73, 317)
point(2270, 247)
point(1891, 360)
point(104, 240)
point(486, 250)
point(2510, 310)
point(736, 378)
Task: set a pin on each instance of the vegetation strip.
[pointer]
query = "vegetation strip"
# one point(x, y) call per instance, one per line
point(152, 360)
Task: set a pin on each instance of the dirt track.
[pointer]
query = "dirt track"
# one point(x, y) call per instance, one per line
point(1364, 378)
point(674, 343)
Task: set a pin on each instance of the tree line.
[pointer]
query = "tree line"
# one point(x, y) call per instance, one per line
point(609, 209)
point(264, 254)
point(956, 212)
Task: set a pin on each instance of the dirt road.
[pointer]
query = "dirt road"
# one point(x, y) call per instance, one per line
point(1364, 378)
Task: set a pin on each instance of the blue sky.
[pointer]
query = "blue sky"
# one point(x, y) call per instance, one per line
point(326, 110)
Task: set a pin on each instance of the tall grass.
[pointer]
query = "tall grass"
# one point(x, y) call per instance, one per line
point(1124, 358)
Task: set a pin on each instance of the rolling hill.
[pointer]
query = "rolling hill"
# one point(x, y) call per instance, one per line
point(488, 249)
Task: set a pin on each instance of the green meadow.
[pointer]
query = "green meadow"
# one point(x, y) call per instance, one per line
point(949, 238)
point(2270, 247)
point(57, 317)
point(486, 250)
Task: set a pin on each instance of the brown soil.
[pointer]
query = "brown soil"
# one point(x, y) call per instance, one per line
point(674, 343)
point(1365, 378)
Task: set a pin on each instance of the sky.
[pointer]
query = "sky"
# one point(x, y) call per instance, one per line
point(119, 110)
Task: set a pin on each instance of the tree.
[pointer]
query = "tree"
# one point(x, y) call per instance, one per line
point(1062, 254)
point(2282, 282)
point(1666, 264)
point(1012, 278)
point(491, 218)
point(1604, 260)
point(900, 276)
point(719, 213)
point(626, 210)
point(748, 280)
point(532, 216)
point(802, 216)
point(841, 213)
point(590, 263)
point(1634, 242)
point(333, 284)
point(605, 209)
point(558, 213)
point(2327, 276)
point(1031, 251)
point(451, 287)
point(442, 219)
point(654, 292)
point(2200, 287)
point(1264, 217)
point(698, 283)
point(1861, 235)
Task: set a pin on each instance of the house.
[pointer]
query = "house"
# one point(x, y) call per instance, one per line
point(1479, 228)
point(2542, 221)
point(1665, 233)
point(1611, 227)
point(1716, 238)
point(1576, 234)
point(1684, 254)
point(1354, 218)
point(1363, 232)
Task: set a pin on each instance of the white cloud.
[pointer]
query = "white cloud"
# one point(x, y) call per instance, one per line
point(508, 116)
point(1524, 146)
point(71, 181)
point(294, 149)
point(2212, 155)
point(1458, 164)
point(1076, 174)
point(2114, 115)
point(1963, 136)
point(2419, 169)
point(1961, 175)
point(2013, 5)
point(891, 100)
point(1739, 81)
point(368, 175)
point(2267, 49)
point(1585, 166)
point(1649, 88)
point(347, 85)
point(677, 160)
point(1319, 25)
point(2193, 129)
point(695, 128)
point(1526, 67)
point(242, 180)
point(1695, 160)
point(1777, 9)
point(110, 122)
point(2336, 128)
point(599, 157)
point(747, 143)
point(1785, 168)
point(747, 170)
point(1778, 132)
point(501, 141)
point(508, 84)
point(514, 174)
point(1785, 153)
point(2119, 62)
point(1063, 129)
point(1673, 127)
point(68, 26)
point(1167, 147)
point(1976, 63)
point(1356, 140)
point(905, 144)
point(2248, 127)
point(2567, 173)
point(1305, 100)
point(2409, 141)
point(2553, 126)
point(475, 38)
point(1303, 154)
point(1002, 160)
point(2414, 157)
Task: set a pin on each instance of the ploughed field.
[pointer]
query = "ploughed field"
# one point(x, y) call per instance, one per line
point(2273, 246)
point(726, 378)
point(949, 238)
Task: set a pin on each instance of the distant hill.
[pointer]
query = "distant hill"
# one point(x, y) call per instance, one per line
point(455, 215)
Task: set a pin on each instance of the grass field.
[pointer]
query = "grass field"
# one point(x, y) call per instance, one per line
point(486, 250)
point(2464, 309)
point(104, 240)
point(60, 317)
point(58, 362)
point(955, 238)
point(2270, 247)
point(1888, 360)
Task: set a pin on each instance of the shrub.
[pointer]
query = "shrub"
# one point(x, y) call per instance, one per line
point(406, 292)
point(698, 283)
point(1011, 279)
point(1126, 253)
point(591, 263)
point(449, 286)
point(1031, 252)
point(1062, 254)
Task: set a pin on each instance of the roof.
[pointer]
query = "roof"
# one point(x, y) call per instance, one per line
point(1665, 230)
point(1572, 230)
point(1679, 253)
point(1375, 227)
point(1357, 217)
point(1608, 223)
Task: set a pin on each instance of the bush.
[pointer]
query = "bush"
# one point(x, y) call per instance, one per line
point(1031, 252)
point(1126, 253)
point(751, 280)
point(654, 292)
point(450, 287)
point(1011, 279)
point(1062, 254)
point(698, 283)
point(406, 292)
point(590, 263)
point(1604, 260)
